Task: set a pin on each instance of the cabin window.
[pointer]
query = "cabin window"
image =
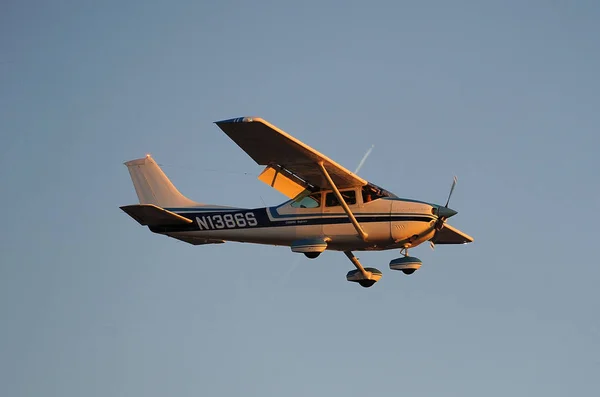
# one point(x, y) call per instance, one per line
point(368, 195)
point(312, 201)
point(332, 201)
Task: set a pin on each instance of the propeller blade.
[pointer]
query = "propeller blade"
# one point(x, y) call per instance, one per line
point(443, 213)
point(451, 190)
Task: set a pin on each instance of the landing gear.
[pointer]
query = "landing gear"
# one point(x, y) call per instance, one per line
point(366, 283)
point(407, 264)
point(311, 247)
point(364, 276)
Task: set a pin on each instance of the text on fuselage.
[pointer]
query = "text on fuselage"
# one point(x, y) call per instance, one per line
point(226, 221)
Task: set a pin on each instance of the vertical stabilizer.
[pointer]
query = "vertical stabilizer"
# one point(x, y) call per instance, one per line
point(153, 187)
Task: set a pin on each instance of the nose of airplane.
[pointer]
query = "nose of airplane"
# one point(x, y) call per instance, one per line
point(445, 212)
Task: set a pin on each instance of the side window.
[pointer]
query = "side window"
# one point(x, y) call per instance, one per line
point(312, 201)
point(368, 195)
point(332, 201)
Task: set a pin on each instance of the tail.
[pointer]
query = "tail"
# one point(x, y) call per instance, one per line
point(153, 187)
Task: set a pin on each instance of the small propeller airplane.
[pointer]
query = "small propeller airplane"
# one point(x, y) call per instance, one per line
point(328, 207)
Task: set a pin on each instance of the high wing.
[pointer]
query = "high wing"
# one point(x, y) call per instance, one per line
point(450, 235)
point(286, 157)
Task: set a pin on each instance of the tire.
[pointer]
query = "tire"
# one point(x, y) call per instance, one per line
point(367, 283)
point(312, 255)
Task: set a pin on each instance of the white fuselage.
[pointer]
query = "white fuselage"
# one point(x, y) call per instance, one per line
point(388, 222)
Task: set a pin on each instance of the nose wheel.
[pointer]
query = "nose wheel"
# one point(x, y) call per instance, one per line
point(407, 264)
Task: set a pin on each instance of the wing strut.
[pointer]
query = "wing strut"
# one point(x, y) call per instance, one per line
point(359, 229)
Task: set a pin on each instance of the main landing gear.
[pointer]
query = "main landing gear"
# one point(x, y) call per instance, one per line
point(364, 276)
point(312, 247)
point(367, 276)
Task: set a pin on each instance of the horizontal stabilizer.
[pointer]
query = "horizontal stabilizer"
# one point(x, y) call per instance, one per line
point(151, 215)
point(450, 235)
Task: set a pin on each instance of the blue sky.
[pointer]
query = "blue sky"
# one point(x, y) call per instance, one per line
point(503, 94)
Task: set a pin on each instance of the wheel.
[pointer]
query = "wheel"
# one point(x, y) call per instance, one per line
point(312, 255)
point(408, 271)
point(366, 283)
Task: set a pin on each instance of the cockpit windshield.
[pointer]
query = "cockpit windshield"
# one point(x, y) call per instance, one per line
point(372, 192)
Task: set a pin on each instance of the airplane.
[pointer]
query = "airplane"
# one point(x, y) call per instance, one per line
point(328, 207)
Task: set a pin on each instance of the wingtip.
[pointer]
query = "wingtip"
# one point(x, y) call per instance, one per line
point(238, 120)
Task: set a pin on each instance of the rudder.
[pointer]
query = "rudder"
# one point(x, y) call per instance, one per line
point(153, 187)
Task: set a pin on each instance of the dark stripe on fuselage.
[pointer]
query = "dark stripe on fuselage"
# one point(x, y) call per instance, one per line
point(259, 218)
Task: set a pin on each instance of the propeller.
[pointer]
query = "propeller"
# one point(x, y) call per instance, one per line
point(451, 191)
point(443, 213)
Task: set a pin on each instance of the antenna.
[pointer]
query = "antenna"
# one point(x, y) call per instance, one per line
point(364, 159)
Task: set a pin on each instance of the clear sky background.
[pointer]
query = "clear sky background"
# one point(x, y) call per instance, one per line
point(503, 94)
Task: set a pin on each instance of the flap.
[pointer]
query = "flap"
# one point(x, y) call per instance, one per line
point(282, 181)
